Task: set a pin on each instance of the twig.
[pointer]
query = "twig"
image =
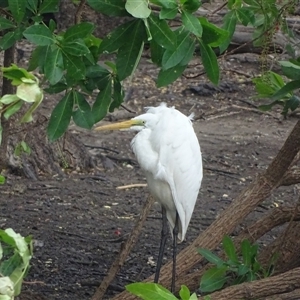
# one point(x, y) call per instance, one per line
point(257, 111)
point(101, 147)
point(131, 186)
point(128, 109)
point(124, 251)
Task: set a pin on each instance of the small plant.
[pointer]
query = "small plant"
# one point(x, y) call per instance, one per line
point(154, 291)
point(2, 179)
point(15, 255)
point(235, 270)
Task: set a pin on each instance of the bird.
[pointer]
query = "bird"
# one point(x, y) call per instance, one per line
point(168, 151)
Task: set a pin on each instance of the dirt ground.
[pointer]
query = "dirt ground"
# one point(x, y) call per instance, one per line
point(79, 221)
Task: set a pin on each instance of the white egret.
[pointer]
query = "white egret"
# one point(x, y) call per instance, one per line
point(168, 151)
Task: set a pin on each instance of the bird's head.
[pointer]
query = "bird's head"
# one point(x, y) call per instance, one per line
point(135, 124)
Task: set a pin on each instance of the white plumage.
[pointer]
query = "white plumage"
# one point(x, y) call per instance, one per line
point(168, 151)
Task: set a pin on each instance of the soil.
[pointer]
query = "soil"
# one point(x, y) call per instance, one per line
point(78, 221)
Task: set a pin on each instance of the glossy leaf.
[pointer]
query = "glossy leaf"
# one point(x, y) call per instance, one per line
point(245, 15)
point(213, 279)
point(75, 67)
point(114, 40)
point(290, 69)
point(102, 103)
point(78, 31)
point(229, 248)
point(168, 13)
point(129, 52)
point(17, 75)
point(288, 88)
point(212, 35)
point(189, 53)
point(13, 109)
point(138, 8)
point(39, 35)
point(168, 76)
point(211, 257)
point(192, 23)
point(8, 99)
point(82, 116)
point(37, 58)
point(161, 33)
point(9, 39)
point(49, 6)
point(118, 95)
point(17, 8)
point(210, 62)
point(110, 8)
point(230, 21)
point(76, 47)
point(171, 58)
point(5, 24)
point(54, 65)
point(184, 293)
point(191, 5)
point(157, 52)
point(150, 291)
point(60, 117)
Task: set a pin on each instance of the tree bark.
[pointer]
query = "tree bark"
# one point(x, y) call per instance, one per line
point(7, 88)
point(248, 199)
point(275, 285)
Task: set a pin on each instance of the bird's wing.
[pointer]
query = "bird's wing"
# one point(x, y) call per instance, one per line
point(179, 163)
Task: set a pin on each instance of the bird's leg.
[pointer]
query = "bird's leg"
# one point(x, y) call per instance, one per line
point(164, 235)
point(175, 236)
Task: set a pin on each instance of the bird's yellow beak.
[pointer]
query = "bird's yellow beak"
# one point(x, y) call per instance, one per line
point(119, 125)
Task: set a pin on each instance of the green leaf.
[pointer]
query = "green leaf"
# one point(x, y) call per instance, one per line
point(27, 117)
point(60, 117)
point(212, 35)
point(5, 24)
point(102, 103)
point(8, 266)
point(171, 58)
point(213, 279)
point(290, 69)
point(13, 109)
point(75, 67)
point(242, 270)
point(245, 15)
point(157, 52)
point(138, 8)
point(78, 31)
point(17, 75)
point(39, 35)
point(191, 5)
point(166, 77)
point(184, 293)
point(49, 6)
point(114, 40)
point(56, 88)
point(246, 252)
point(192, 23)
point(76, 47)
point(210, 62)
point(8, 99)
point(189, 53)
point(110, 8)
point(267, 107)
point(288, 88)
point(35, 59)
point(2, 178)
point(230, 20)
point(29, 92)
point(82, 116)
point(168, 13)
point(54, 65)
point(161, 32)
point(212, 258)
point(229, 248)
point(129, 52)
point(17, 8)
point(150, 291)
point(9, 39)
point(118, 95)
